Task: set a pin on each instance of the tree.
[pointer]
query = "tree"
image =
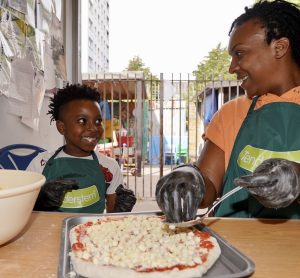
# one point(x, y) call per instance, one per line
point(137, 64)
point(215, 65)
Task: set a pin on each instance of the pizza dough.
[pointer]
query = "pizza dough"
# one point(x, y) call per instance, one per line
point(138, 246)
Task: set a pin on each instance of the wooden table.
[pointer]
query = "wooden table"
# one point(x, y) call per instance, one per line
point(273, 245)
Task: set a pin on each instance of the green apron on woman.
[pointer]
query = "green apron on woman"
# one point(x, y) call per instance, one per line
point(272, 131)
point(90, 197)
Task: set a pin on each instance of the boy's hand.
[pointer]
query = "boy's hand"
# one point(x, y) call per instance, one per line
point(275, 183)
point(125, 199)
point(52, 193)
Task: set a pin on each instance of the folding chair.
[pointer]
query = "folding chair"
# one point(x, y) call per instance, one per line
point(18, 156)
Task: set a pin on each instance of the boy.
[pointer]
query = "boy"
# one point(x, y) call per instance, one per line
point(78, 179)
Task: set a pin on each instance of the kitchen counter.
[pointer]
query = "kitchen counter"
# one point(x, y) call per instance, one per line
point(273, 245)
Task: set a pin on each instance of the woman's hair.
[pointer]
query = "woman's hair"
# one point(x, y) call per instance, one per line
point(70, 93)
point(279, 18)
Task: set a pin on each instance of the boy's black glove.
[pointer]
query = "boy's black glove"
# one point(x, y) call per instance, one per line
point(125, 199)
point(52, 193)
point(275, 183)
point(179, 193)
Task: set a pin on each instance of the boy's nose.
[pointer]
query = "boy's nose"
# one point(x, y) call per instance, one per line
point(91, 126)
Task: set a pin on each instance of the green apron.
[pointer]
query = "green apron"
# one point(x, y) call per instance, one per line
point(90, 197)
point(272, 131)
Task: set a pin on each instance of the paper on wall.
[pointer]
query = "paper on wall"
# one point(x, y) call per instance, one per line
point(38, 93)
point(19, 5)
point(49, 69)
point(13, 29)
point(6, 48)
point(5, 72)
point(44, 15)
point(35, 49)
point(20, 90)
point(26, 92)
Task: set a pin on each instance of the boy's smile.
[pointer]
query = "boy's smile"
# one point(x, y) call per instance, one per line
point(81, 124)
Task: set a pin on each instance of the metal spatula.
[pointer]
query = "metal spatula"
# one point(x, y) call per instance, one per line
point(199, 218)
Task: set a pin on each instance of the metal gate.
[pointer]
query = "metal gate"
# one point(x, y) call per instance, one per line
point(154, 124)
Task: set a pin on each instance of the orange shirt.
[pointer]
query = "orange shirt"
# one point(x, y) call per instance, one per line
point(225, 124)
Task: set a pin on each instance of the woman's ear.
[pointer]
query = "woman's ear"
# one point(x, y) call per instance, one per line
point(60, 127)
point(281, 47)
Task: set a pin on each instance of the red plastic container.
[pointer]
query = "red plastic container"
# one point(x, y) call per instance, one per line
point(127, 140)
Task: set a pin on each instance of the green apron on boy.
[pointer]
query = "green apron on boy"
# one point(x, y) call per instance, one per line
point(267, 132)
point(90, 197)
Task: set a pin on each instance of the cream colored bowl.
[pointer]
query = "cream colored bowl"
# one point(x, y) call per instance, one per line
point(18, 193)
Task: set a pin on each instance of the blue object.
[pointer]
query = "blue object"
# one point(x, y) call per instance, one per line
point(105, 110)
point(10, 159)
point(210, 105)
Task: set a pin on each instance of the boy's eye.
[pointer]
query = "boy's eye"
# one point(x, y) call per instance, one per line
point(82, 120)
point(98, 122)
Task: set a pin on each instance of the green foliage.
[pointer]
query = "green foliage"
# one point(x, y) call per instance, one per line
point(215, 65)
point(137, 64)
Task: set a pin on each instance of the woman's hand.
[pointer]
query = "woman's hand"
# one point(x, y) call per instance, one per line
point(275, 183)
point(179, 193)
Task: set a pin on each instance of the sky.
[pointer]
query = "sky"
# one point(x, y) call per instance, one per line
point(170, 36)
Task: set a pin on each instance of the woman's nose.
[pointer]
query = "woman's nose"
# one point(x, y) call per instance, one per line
point(233, 66)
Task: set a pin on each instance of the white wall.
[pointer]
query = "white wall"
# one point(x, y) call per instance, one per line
point(14, 132)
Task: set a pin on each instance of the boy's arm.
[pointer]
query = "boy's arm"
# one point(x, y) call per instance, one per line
point(110, 202)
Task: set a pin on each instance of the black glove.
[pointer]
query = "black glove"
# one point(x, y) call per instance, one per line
point(125, 199)
point(179, 193)
point(275, 183)
point(52, 193)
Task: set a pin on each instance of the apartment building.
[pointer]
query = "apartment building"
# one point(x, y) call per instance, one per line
point(94, 36)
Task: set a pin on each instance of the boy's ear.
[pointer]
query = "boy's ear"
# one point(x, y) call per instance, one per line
point(60, 127)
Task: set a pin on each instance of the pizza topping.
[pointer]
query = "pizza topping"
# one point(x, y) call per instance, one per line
point(142, 243)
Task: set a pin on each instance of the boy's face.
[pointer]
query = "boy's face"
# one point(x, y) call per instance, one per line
point(256, 63)
point(81, 124)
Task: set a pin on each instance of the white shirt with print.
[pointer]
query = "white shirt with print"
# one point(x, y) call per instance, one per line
point(39, 162)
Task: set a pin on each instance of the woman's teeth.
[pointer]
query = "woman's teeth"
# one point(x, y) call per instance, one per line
point(244, 78)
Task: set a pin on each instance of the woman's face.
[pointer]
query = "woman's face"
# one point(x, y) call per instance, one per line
point(81, 124)
point(253, 60)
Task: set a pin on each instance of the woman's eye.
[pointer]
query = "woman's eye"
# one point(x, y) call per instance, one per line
point(238, 54)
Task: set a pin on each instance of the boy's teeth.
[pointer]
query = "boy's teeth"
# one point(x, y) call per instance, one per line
point(90, 139)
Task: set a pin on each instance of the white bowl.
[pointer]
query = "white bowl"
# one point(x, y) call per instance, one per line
point(18, 193)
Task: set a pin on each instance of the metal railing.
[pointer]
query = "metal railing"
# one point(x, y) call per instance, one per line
point(153, 124)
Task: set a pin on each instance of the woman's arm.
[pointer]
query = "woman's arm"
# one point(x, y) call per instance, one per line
point(211, 164)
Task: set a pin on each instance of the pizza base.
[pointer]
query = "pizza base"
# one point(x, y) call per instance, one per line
point(91, 270)
point(101, 271)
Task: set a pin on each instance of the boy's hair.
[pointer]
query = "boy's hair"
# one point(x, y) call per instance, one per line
point(279, 18)
point(70, 93)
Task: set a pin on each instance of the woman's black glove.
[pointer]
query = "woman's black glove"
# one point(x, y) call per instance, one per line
point(275, 183)
point(52, 193)
point(125, 199)
point(179, 193)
